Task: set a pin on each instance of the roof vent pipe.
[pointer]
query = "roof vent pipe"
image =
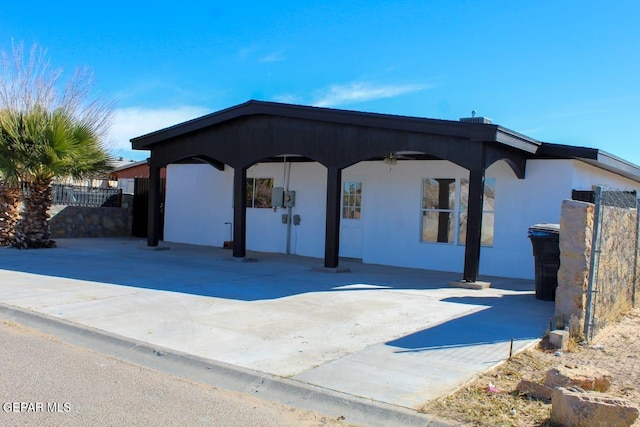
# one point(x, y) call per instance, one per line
point(474, 119)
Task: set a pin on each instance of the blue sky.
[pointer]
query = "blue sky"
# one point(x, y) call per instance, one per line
point(566, 72)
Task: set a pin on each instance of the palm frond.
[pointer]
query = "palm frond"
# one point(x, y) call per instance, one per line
point(39, 145)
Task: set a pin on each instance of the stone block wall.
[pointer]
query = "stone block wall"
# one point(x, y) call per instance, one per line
point(83, 221)
point(576, 233)
point(614, 278)
point(615, 267)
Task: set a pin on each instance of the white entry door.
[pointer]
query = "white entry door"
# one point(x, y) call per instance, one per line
point(351, 220)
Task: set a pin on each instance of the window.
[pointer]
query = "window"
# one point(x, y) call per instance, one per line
point(259, 192)
point(351, 200)
point(438, 210)
point(444, 210)
point(488, 211)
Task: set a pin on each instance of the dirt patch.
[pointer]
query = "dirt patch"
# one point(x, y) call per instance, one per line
point(492, 399)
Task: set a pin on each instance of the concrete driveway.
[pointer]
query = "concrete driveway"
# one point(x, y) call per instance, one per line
point(393, 335)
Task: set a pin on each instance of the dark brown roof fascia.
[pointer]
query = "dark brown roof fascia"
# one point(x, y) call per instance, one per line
point(144, 141)
point(480, 132)
point(566, 151)
point(592, 156)
point(347, 117)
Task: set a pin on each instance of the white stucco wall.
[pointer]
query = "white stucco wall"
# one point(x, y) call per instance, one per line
point(309, 181)
point(518, 205)
point(199, 202)
point(536, 199)
point(392, 197)
point(264, 226)
point(265, 230)
point(586, 175)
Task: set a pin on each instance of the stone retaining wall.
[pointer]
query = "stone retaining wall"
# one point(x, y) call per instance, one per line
point(615, 276)
point(614, 279)
point(82, 221)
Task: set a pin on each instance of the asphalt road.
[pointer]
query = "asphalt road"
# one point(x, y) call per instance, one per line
point(44, 381)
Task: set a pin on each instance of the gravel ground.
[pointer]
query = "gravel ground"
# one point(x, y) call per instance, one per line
point(616, 349)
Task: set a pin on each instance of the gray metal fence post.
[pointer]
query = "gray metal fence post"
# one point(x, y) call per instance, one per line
point(635, 260)
point(595, 250)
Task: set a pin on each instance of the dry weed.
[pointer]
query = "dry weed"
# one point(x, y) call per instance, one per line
point(616, 349)
point(476, 404)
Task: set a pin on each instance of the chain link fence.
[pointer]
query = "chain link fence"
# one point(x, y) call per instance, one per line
point(613, 280)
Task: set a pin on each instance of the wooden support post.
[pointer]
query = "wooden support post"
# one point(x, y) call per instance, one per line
point(153, 211)
point(239, 212)
point(332, 234)
point(474, 225)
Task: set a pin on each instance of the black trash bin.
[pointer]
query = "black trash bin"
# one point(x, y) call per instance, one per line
point(545, 239)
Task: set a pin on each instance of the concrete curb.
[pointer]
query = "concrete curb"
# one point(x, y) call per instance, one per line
point(354, 409)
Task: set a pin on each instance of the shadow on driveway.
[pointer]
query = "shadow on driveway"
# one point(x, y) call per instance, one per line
point(212, 272)
point(506, 317)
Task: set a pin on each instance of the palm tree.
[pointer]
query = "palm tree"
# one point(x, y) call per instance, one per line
point(9, 190)
point(9, 211)
point(47, 129)
point(46, 145)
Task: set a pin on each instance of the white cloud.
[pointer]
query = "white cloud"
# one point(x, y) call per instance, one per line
point(287, 98)
point(273, 56)
point(136, 121)
point(260, 54)
point(362, 91)
point(244, 53)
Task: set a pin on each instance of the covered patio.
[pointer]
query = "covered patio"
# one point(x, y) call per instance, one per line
point(257, 131)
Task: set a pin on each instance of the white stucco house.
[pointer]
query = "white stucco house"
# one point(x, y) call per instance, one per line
point(400, 191)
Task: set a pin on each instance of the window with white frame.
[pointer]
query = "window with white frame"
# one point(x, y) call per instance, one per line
point(444, 210)
point(488, 211)
point(259, 192)
point(351, 200)
point(439, 210)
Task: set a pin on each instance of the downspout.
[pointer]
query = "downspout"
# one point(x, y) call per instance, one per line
point(287, 178)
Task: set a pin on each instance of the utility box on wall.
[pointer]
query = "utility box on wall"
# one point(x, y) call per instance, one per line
point(277, 197)
point(289, 199)
point(282, 199)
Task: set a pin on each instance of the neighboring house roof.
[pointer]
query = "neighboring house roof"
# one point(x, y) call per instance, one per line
point(128, 164)
point(133, 169)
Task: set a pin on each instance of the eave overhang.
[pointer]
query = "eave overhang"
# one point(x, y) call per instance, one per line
point(592, 156)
